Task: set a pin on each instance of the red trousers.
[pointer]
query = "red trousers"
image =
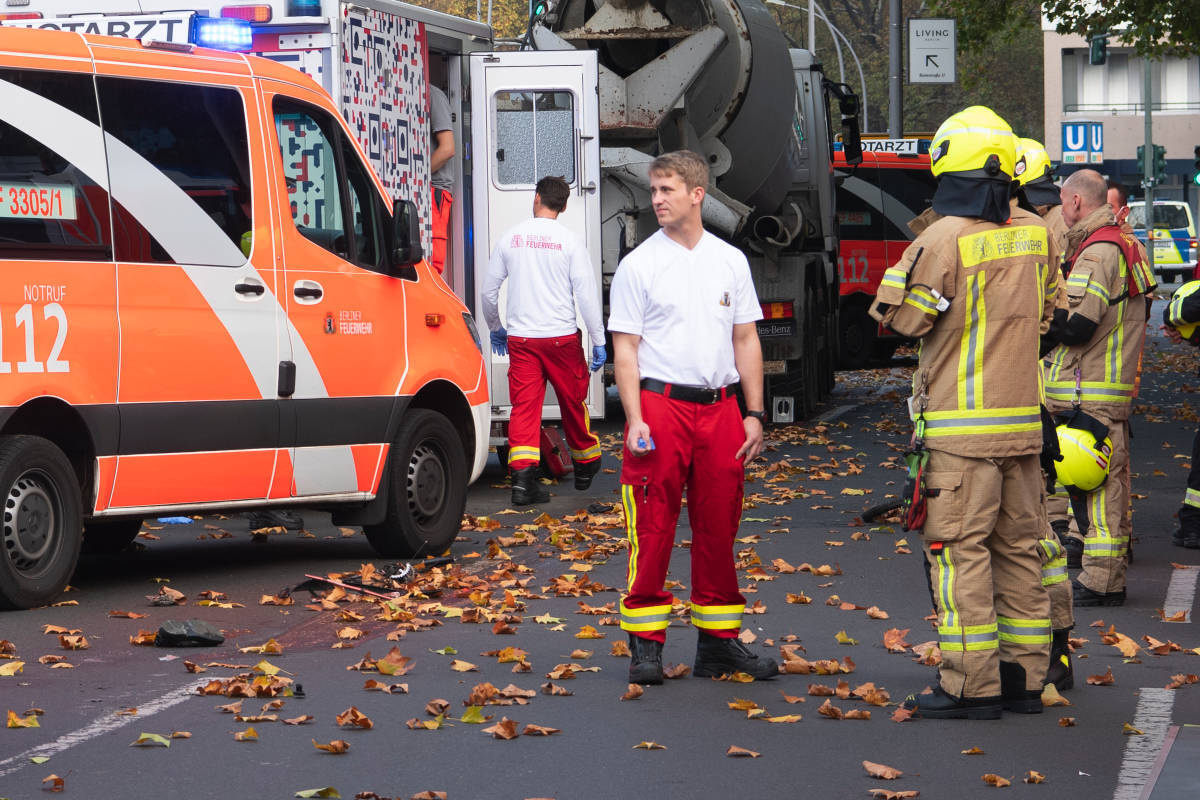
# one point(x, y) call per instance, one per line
point(694, 446)
point(532, 362)
point(443, 201)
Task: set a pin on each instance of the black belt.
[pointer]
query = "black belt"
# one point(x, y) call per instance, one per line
point(692, 394)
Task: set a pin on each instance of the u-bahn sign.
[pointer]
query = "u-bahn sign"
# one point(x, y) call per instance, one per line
point(931, 50)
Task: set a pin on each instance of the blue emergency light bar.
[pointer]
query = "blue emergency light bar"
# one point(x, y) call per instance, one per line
point(222, 33)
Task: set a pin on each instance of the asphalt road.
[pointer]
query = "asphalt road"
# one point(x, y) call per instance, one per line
point(804, 500)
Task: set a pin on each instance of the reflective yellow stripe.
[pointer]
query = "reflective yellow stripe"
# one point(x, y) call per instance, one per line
point(523, 453)
point(591, 454)
point(945, 587)
point(727, 617)
point(970, 352)
point(957, 639)
point(627, 500)
point(650, 618)
point(923, 300)
point(1006, 242)
point(984, 421)
point(895, 278)
point(1192, 498)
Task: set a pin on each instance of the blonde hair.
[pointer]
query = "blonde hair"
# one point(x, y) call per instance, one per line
point(689, 166)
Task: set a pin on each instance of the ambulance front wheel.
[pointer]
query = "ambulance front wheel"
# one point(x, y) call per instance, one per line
point(41, 524)
point(427, 489)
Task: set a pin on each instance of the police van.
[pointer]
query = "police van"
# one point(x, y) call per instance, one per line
point(1174, 235)
point(209, 300)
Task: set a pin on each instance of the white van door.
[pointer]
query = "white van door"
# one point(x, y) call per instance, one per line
point(534, 113)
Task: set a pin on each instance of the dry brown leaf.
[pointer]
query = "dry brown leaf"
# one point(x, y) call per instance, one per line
point(248, 735)
point(828, 709)
point(539, 730)
point(884, 794)
point(1051, 697)
point(298, 720)
point(588, 632)
point(1129, 730)
point(974, 751)
point(337, 746)
point(125, 614)
point(874, 612)
point(437, 707)
point(881, 771)
point(633, 692)
point(554, 689)
point(676, 671)
point(504, 729)
point(1033, 776)
point(1102, 680)
point(649, 746)
point(72, 642)
point(57, 784)
point(353, 718)
point(902, 714)
point(741, 752)
point(459, 665)
point(991, 779)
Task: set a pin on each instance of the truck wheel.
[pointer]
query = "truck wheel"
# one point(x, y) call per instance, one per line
point(427, 489)
point(42, 521)
point(110, 536)
point(857, 337)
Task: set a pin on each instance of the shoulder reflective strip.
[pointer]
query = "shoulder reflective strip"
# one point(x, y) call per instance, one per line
point(1192, 498)
point(1097, 290)
point(1052, 575)
point(895, 278)
point(1051, 547)
point(1007, 242)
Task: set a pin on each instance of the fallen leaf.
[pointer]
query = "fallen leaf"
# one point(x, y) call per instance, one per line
point(786, 718)
point(327, 791)
point(270, 647)
point(553, 689)
point(1033, 776)
point(619, 649)
point(588, 632)
point(791, 699)
point(831, 711)
point(71, 642)
point(437, 707)
point(539, 730)
point(504, 729)
point(150, 740)
point(57, 784)
point(634, 692)
point(387, 688)
point(649, 746)
point(248, 735)
point(181, 735)
point(126, 614)
point(858, 713)
point(881, 771)
point(1066, 722)
point(992, 779)
point(1051, 697)
point(974, 751)
point(16, 721)
point(902, 714)
point(353, 718)
point(337, 746)
point(1129, 730)
point(843, 638)
point(298, 720)
point(676, 671)
point(874, 612)
point(741, 752)
point(11, 668)
point(143, 638)
point(884, 794)
point(798, 599)
point(474, 716)
point(1102, 680)
point(459, 665)
point(350, 634)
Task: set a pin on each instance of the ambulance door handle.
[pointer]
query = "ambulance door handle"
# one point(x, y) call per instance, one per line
point(308, 292)
point(248, 287)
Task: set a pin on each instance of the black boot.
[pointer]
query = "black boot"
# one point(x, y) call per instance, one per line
point(274, 518)
point(1061, 527)
point(1083, 596)
point(1186, 538)
point(585, 472)
point(527, 489)
point(1060, 672)
point(1013, 694)
point(716, 656)
point(940, 704)
point(1074, 548)
point(646, 667)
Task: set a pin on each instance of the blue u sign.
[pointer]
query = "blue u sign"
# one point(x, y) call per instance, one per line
point(1075, 142)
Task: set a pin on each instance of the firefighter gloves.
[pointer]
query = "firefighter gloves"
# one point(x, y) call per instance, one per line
point(599, 356)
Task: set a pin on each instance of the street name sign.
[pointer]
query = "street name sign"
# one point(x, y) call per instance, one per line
point(931, 50)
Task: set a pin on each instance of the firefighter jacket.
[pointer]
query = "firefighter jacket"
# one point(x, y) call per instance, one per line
point(978, 295)
point(1053, 217)
point(1101, 373)
point(1183, 312)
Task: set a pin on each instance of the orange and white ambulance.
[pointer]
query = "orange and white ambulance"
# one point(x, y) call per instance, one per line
point(209, 301)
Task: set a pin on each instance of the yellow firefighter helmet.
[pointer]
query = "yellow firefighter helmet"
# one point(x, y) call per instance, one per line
point(1084, 464)
point(974, 143)
point(1033, 162)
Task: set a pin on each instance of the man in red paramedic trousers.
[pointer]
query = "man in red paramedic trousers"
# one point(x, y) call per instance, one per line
point(683, 313)
point(546, 265)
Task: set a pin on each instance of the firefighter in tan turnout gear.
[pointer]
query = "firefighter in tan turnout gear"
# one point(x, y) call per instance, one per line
point(978, 288)
point(1092, 373)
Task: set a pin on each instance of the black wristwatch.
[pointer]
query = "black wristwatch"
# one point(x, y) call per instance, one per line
point(761, 416)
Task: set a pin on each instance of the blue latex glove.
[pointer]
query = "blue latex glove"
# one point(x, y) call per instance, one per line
point(599, 356)
point(500, 342)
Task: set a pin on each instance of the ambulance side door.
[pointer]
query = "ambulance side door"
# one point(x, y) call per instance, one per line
point(198, 394)
point(346, 318)
point(534, 114)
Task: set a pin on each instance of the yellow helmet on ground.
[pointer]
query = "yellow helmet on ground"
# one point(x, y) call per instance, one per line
point(974, 143)
point(1084, 464)
point(1033, 162)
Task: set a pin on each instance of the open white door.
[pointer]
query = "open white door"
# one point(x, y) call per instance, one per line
point(533, 114)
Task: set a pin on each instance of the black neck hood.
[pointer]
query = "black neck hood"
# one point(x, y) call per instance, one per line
point(1043, 193)
point(984, 198)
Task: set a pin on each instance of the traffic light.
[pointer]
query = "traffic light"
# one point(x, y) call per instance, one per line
point(1141, 159)
point(1160, 163)
point(1196, 165)
point(1098, 49)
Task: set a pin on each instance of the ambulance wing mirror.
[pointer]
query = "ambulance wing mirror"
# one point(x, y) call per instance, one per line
point(406, 237)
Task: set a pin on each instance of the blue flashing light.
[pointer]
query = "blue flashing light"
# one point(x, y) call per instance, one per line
point(222, 33)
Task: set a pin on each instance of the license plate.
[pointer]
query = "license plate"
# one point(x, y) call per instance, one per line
point(777, 328)
point(175, 27)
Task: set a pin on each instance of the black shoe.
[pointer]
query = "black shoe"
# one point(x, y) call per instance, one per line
point(942, 705)
point(1083, 596)
point(1188, 539)
point(1074, 548)
point(1060, 672)
point(716, 656)
point(1013, 694)
point(527, 489)
point(585, 472)
point(274, 518)
point(646, 667)
point(1061, 527)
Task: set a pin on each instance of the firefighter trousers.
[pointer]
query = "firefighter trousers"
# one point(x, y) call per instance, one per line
point(443, 202)
point(1054, 572)
point(981, 539)
point(532, 362)
point(1189, 512)
point(1106, 541)
point(695, 445)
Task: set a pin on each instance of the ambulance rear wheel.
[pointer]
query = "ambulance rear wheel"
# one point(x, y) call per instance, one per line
point(110, 536)
point(41, 523)
point(427, 489)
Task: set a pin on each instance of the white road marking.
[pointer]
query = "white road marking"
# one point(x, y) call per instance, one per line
point(1181, 592)
point(102, 725)
point(1153, 717)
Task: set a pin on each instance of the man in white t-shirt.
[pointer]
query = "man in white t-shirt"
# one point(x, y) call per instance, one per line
point(548, 270)
point(683, 313)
